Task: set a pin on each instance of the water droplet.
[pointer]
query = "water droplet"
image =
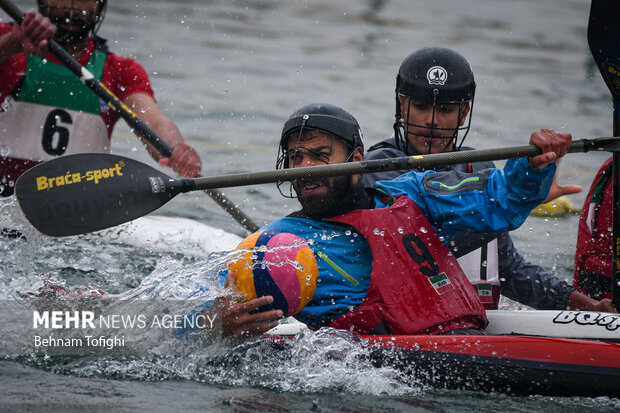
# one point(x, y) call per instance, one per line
point(376, 231)
point(400, 230)
point(423, 230)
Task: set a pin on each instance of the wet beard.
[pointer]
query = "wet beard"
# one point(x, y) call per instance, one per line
point(73, 33)
point(341, 198)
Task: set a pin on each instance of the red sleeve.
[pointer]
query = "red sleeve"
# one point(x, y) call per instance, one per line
point(124, 77)
point(11, 70)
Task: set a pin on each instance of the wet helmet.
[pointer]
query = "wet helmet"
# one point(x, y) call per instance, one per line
point(438, 76)
point(80, 25)
point(323, 117)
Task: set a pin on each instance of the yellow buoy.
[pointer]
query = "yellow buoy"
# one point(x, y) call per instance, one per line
point(557, 208)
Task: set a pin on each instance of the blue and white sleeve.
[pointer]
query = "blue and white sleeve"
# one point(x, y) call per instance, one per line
point(493, 200)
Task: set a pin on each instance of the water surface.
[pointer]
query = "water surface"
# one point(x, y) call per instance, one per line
point(229, 73)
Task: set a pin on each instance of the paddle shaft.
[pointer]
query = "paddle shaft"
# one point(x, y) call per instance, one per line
point(126, 113)
point(381, 165)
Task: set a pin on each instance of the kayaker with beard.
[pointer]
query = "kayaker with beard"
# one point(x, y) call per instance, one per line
point(45, 111)
point(382, 265)
point(435, 90)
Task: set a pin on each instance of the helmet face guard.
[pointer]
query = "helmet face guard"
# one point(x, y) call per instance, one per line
point(327, 119)
point(439, 78)
point(73, 23)
point(404, 129)
point(288, 157)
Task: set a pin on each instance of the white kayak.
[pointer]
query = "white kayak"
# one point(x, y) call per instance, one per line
point(171, 234)
point(154, 232)
point(585, 325)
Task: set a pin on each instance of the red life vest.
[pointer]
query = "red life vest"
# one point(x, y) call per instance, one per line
point(416, 285)
point(593, 254)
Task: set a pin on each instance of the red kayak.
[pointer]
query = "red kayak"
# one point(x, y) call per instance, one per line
point(518, 365)
point(504, 362)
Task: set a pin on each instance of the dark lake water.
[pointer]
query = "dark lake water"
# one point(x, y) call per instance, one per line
point(229, 72)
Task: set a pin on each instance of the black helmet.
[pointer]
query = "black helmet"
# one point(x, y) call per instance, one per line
point(326, 118)
point(437, 75)
point(82, 27)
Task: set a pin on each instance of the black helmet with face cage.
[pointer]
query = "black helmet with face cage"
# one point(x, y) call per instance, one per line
point(439, 76)
point(81, 26)
point(329, 119)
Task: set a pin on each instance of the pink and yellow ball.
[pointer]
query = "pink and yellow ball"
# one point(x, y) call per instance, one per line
point(279, 264)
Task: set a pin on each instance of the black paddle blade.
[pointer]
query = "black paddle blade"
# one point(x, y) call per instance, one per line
point(604, 41)
point(77, 194)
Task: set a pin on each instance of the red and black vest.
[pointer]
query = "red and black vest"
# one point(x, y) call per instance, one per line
point(594, 247)
point(416, 284)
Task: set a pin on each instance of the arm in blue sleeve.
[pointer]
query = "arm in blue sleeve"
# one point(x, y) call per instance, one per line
point(527, 283)
point(497, 200)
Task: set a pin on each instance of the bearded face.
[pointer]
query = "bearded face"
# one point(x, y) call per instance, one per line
point(74, 19)
point(322, 197)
